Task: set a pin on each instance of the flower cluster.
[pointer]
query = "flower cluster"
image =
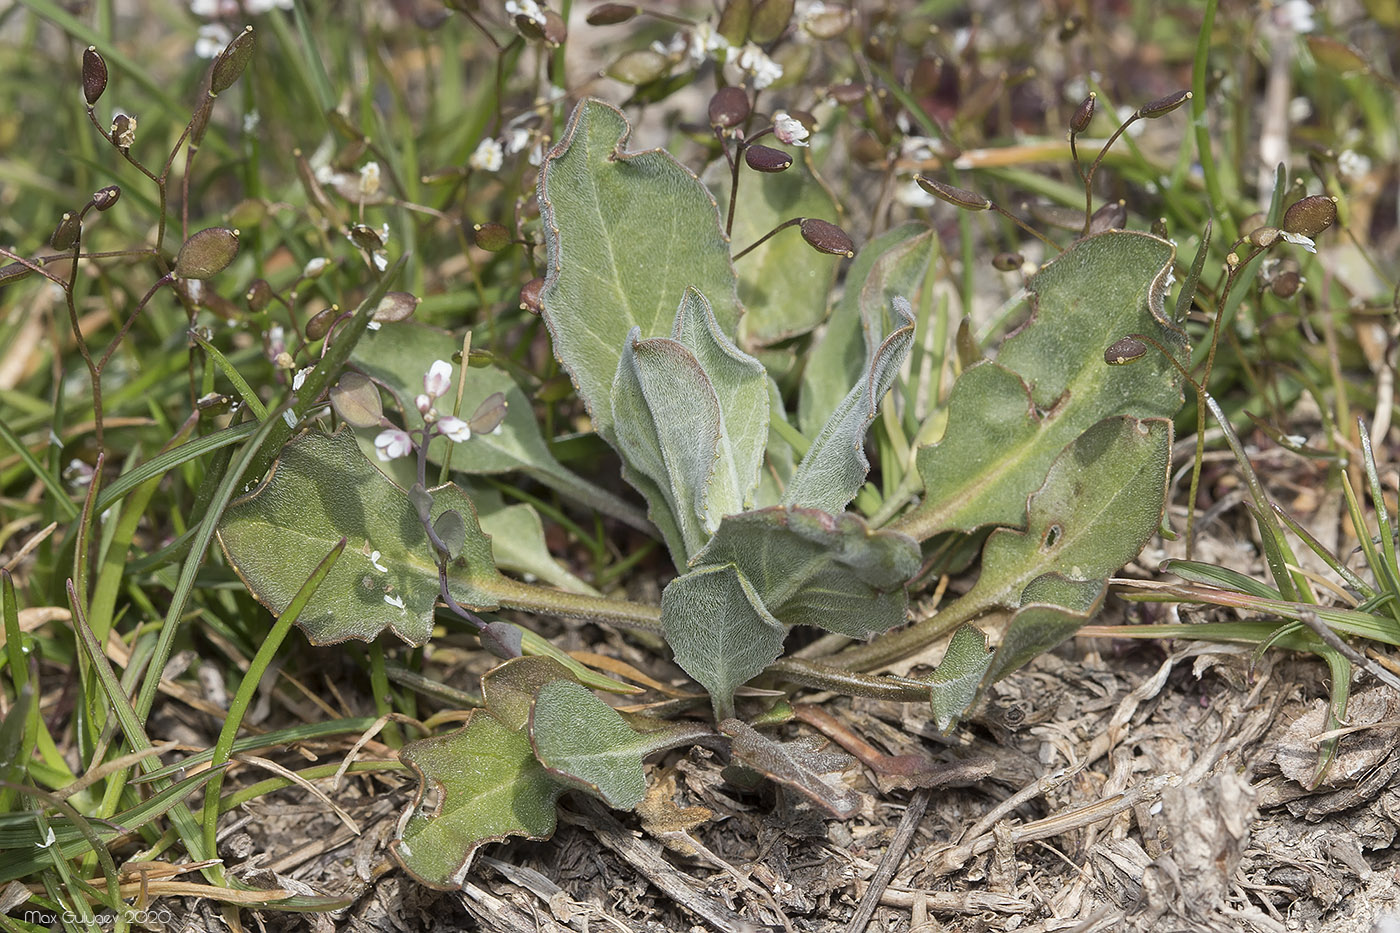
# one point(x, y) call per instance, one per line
point(392, 443)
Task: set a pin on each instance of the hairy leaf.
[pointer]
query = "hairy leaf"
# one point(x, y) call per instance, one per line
point(954, 683)
point(509, 689)
point(489, 787)
point(834, 468)
point(801, 764)
point(1052, 609)
point(626, 234)
point(1007, 422)
point(583, 742)
point(812, 568)
point(719, 631)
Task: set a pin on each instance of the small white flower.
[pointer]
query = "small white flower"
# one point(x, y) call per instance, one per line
point(374, 562)
point(49, 839)
point(789, 129)
point(369, 179)
point(911, 195)
point(1297, 239)
point(276, 341)
point(264, 6)
point(1352, 164)
point(703, 43)
point(314, 267)
point(454, 429)
point(373, 325)
point(290, 417)
point(1295, 15)
point(207, 9)
point(517, 139)
point(1299, 109)
point(918, 148)
point(251, 119)
point(300, 378)
point(526, 8)
point(756, 62)
point(536, 156)
point(392, 444)
point(438, 379)
point(213, 37)
point(488, 156)
point(380, 259)
point(394, 601)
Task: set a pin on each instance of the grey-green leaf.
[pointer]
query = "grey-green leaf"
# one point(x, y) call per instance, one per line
point(626, 234)
point(719, 631)
point(954, 682)
point(1053, 608)
point(834, 468)
point(584, 742)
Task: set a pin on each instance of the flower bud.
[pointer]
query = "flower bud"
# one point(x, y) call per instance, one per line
point(94, 75)
point(1127, 350)
point(530, 296)
point(206, 253)
point(767, 159)
point(491, 237)
point(729, 107)
point(610, 14)
point(1310, 216)
point(1163, 105)
point(827, 238)
point(554, 29)
point(1079, 122)
point(958, 197)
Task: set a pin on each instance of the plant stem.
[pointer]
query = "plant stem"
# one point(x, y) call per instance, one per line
point(512, 594)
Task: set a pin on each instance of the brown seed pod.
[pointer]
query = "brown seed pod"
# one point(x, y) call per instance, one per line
point(1286, 284)
point(1127, 350)
point(1264, 236)
point(123, 131)
point(395, 306)
point(489, 414)
point(958, 197)
point(770, 20)
point(1007, 262)
point(1310, 216)
point(829, 22)
point(530, 296)
point(610, 14)
point(847, 94)
point(103, 198)
point(66, 233)
point(1084, 113)
point(1163, 105)
point(639, 66)
point(258, 296)
point(206, 253)
point(1112, 216)
point(320, 323)
point(826, 237)
point(767, 159)
point(94, 75)
point(729, 107)
point(734, 21)
point(229, 66)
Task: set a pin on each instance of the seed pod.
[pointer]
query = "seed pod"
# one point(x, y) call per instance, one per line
point(356, 400)
point(729, 107)
point(827, 238)
point(1083, 114)
point(959, 197)
point(767, 159)
point(489, 414)
point(828, 22)
point(491, 237)
point(1163, 105)
point(258, 296)
point(847, 94)
point(94, 75)
point(1007, 262)
point(206, 253)
point(1127, 350)
point(229, 66)
point(610, 14)
point(103, 198)
point(639, 66)
point(1310, 216)
point(123, 131)
point(734, 21)
point(555, 31)
point(13, 272)
point(320, 323)
point(770, 20)
point(66, 233)
point(1336, 55)
point(1112, 216)
point(451, 530)
point(1159, 228)
point(530, 296)
point(366, 238)
point(395, 306)
point(1286, 284)
point(199, 121)
point(1264, 236)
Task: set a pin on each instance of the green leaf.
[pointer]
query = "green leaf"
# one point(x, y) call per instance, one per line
point(721, 634)
point(691, 422)
point(893, 264)
point(812, 568)
point(517, 541)
point(509, 689)
point(583, 742)
point(1102, 500)
point(1052, 609)
point(835, 466)
point(322, 489)
point(1008, 421)
point(489, 786)
point(953, 684)
point(626, 234)
point(784, 283)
